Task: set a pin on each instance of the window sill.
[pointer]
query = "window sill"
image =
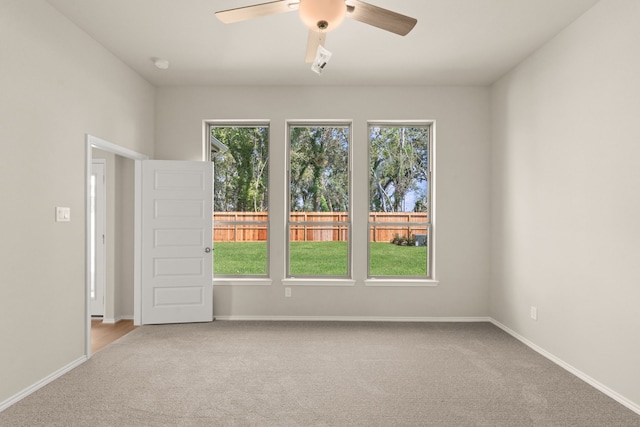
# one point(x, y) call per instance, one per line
point(402, 282)
point(240, 281)
point(318, 282)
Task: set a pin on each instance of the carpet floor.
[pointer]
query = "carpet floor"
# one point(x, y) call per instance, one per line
point(318, 374)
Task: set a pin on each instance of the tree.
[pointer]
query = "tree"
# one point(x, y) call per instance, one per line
point(319, 159)
point(398, 163)
point(241, 171)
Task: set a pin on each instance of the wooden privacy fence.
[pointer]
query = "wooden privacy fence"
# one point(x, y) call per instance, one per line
point(381, 232)
point(252, 226)
point(239, 232)
point(319, 232)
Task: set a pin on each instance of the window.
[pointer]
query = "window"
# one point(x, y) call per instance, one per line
point(240, 155)
point(400, 200)
point(319, 224)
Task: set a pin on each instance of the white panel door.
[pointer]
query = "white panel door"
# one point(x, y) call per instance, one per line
point(177, 263)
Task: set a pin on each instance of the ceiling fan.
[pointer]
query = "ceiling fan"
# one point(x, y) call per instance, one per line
point(321, 16)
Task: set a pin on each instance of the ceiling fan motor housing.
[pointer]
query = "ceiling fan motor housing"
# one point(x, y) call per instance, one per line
point(324, 15)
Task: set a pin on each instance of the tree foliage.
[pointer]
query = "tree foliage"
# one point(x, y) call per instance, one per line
point(241, 171)
point(319, 159)
point(398, 162)
point(319, 180)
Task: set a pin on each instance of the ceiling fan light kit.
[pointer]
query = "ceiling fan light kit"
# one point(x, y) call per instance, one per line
point(322, 16)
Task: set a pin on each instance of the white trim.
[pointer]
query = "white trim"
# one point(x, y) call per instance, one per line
point(354, 319)
point(433, 185)
point(111, 321)
point(137, 245)
point(398, 283)
point(43, 382)
point(299, 281)
point(239, 281)
point(578, 373)
point(237, 122)
point(104, 145)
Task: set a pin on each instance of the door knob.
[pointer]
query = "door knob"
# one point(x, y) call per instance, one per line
point(207, 250)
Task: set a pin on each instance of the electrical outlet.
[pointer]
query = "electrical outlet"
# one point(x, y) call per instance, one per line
point(534, 313)
point(287, 292)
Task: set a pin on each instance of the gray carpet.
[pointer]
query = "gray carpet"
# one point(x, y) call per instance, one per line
point(318, 374)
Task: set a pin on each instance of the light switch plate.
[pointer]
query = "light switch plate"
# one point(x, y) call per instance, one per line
point(63, 214)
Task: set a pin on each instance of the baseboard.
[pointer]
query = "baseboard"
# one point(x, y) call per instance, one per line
point(117, 319)
point(355, 318)
point(43, 382)
point(578, 373)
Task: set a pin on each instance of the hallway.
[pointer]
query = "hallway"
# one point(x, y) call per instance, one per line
point(103, 334)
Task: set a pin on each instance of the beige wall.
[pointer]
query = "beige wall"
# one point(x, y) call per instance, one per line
point(565, 197)
point(123, 303)
point(463, 152)
point(552, 184)
point(56, 85)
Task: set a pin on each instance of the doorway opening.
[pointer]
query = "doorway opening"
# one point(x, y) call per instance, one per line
point(119, 241)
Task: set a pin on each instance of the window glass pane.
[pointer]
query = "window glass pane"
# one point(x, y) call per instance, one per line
point(319, 169)
point(240, 219)
point(399, 201)
point(324, 258)
point(319, 223)
point(240, 258)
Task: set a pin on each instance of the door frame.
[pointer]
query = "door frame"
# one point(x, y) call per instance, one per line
point(101, 144)
point(100, 261)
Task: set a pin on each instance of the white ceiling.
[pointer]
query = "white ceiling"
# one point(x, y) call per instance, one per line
point(456, 42)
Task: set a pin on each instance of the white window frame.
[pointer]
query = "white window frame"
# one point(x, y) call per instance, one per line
point(245, 279)
point(313, 279)
point(430, 279)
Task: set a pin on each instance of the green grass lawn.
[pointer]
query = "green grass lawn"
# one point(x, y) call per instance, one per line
point(319, 259)
point(393, 260)
point(240, 258)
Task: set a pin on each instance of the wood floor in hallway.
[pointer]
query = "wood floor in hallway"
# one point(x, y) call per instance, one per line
point(103, 334)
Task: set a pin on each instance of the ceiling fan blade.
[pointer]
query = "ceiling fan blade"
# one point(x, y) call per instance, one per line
point(379, 17)
point(256, 11)
point(316, 38)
